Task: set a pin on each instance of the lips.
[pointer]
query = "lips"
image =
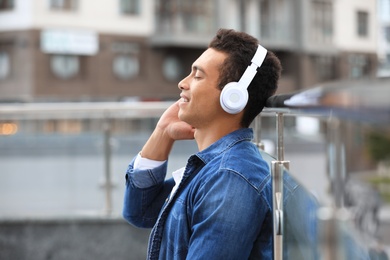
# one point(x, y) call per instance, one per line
point(184, 98)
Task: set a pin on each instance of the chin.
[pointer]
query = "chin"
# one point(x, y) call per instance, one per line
point(181, 115)
point(184, 118)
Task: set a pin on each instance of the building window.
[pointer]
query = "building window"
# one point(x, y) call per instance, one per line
point(7, 4)
point(65, 66)
point(197, 15)
point(362, 24)
point(126, 62)
point(387, 34)
point(359, 66)
point(324, 67)
point(321, 22)
point(172, 68)
point(186, 16)
point(63, 5)
point(130, 7)
point(4, 65)
point(125, 67)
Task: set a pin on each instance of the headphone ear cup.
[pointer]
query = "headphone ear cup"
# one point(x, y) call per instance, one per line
point(233, 98)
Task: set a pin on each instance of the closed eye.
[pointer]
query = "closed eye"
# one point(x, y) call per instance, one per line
point(198, 72)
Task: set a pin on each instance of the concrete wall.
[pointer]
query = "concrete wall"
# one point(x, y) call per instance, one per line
point(64, 239)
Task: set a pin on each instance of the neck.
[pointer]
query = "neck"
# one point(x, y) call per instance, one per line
point(207, 136)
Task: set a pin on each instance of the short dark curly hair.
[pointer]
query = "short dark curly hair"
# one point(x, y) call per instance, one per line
point(240, 48)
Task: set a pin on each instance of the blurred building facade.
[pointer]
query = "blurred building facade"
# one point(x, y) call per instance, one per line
point(384, 38)
point(85, 50)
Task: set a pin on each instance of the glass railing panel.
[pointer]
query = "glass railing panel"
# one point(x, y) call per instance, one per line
point(46, 174)
point(61, 167)
point(351, 219)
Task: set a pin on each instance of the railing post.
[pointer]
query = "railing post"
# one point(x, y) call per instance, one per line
point(336, 161)
point(258, 141)
point(277, 189)
point(332, 217)
point(107, 185)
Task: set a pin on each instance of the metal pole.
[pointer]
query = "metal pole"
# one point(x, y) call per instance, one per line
point(331, 218)
point(280, 138)
point(336, 161)
point(107, 166)
point(277, 205)
point(258, 142)
point(277, 170)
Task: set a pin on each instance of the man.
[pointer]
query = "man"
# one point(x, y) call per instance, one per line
point(220, 205)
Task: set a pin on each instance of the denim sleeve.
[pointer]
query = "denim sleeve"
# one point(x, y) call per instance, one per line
point(228, 216)
point(146, 178)
point(145, 194)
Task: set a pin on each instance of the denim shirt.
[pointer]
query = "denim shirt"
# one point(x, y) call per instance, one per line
point(222, 208)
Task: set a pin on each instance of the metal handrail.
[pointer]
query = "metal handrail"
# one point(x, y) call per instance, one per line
point(82, 110)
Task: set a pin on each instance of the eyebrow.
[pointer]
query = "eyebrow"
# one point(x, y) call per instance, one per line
point(196, 67)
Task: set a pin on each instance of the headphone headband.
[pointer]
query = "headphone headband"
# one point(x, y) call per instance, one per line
point(259, 56)
point(251, 70)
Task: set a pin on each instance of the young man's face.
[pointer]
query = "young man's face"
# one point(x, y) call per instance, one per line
point(199, 104)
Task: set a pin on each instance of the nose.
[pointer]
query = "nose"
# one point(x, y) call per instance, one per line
point(183, 84)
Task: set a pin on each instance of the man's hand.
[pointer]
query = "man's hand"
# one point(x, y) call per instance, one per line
point(172, 126)
point(169, 129)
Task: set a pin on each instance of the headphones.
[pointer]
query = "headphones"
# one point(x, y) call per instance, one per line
point(234, 95)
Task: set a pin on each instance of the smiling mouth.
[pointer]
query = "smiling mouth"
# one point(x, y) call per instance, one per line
point(184, 98)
